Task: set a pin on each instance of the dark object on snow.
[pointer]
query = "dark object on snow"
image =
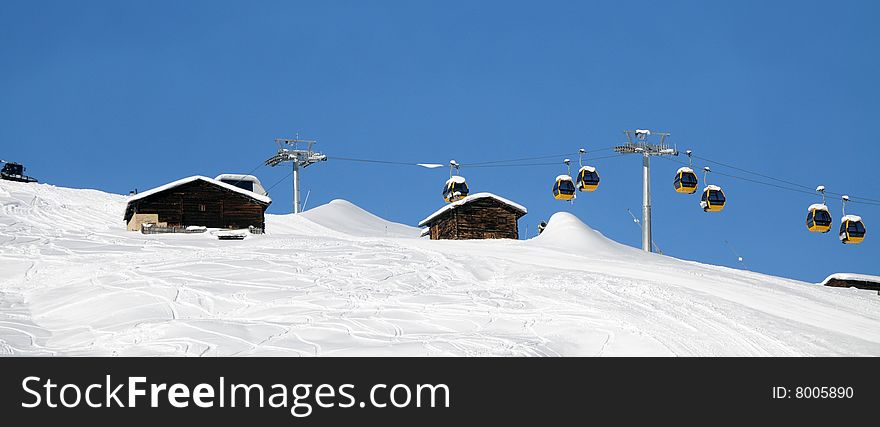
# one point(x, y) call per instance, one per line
point(478, 216)
point(230, 236)
point(858, 281)
point(15, 172)
point(541, 227)
point(197, 201)
point(150, 228)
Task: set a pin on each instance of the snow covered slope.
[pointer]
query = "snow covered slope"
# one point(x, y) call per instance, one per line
point(340, 281)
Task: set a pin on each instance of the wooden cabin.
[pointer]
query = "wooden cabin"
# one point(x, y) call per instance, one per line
point(850, 280)
point(197, 201)
point(478, 216)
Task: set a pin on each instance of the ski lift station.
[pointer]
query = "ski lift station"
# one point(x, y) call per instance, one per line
point(199, 201)
point(477, 216)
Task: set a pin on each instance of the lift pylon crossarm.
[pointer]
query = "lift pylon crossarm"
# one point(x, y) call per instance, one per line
point(300, 154)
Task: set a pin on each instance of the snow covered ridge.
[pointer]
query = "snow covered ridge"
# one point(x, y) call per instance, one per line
point(340, 281)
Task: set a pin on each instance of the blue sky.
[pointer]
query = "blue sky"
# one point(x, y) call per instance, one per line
point(123, 95)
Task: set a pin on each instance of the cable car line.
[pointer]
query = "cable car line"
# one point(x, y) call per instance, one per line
point(386, 162)
point(535, 164)
point(779, 180)
point(713, 199)
point(279, 181)
point(752, 172)
point(523, 159)
point(770, 184)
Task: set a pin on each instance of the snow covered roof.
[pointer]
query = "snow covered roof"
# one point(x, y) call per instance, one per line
point(587, 168)
point(684, 169)
point(853, 218)
point(458, 179)
point(851, 276)
point(713, 187)
point(564, 178)
point(236, 176)
point(187, 180)
point(469, 199)
point(817, 206)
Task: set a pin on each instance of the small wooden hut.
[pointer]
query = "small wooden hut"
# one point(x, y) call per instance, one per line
point(197, 201)
point(478, 216)
point(851, 280)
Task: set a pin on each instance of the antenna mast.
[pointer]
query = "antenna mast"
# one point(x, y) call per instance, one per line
point(637, 143)
point(298, 152)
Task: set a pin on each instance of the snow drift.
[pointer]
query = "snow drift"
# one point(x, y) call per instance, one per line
point(344, 216)
point(338, 280)
point(565, 231)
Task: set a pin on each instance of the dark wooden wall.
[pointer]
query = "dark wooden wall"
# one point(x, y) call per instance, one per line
point(860, 284)
point(481, 219)
point(223, 208)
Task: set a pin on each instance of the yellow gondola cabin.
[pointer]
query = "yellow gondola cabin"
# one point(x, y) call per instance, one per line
point(685, 181)
point(852, 229)
point(588, 179)
point(563, 188)
point(818, 218)
point(713, 199)
point(455, 189)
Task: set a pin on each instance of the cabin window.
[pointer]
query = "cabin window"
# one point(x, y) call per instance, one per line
point(856, 229)
point(716, 197)
point(591, 178)
point(566, 187)
point(822, 217)
point(455, 187)
point(201, 207)
point(688, 180)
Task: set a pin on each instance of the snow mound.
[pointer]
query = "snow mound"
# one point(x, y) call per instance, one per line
point(346, 217)
point(566, 232)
